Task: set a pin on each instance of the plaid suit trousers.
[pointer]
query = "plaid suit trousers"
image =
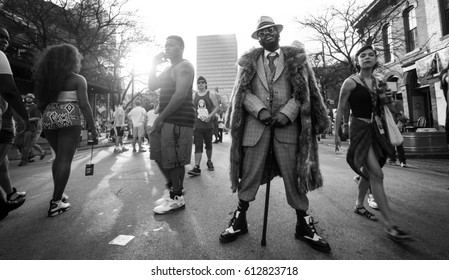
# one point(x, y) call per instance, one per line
point(254, 165)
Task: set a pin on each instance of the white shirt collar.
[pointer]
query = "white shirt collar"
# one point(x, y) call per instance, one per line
point(266, 52)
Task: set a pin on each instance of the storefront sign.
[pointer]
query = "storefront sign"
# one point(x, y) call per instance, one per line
point(431, 65)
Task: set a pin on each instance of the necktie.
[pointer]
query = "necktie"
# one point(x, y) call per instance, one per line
point(271, 57)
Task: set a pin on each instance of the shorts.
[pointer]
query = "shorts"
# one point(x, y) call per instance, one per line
point(120, 131)
point(201, 136)
point(148, 129)
point(62, 114)
point(138, 131)
point(172, 145)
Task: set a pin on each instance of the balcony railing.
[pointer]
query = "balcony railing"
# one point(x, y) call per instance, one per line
point(21, 50)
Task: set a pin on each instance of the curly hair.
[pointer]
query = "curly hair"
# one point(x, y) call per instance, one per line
point(51, 70)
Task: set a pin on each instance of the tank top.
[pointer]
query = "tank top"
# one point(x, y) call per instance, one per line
point(185, 114)
point(203, 107)
point(68, 95)
point(360, 102)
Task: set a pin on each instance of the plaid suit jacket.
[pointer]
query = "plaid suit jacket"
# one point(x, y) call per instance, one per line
point(248, 98)
point(258, 98)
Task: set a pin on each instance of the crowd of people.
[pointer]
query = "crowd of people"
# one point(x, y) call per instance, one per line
point(275, 115)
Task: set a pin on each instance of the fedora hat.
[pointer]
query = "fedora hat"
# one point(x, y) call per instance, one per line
point(265, 22)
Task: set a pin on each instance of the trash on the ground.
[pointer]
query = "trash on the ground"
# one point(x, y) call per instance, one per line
point(121, 240)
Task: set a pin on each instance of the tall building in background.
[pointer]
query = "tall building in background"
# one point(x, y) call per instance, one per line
point(217, 62)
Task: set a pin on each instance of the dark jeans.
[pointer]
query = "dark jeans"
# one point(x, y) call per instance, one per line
point(399, 153)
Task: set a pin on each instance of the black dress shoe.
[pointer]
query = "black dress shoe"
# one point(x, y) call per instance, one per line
point(237, 226)
point(3, 212)
point(305, 231)
point(14, 204)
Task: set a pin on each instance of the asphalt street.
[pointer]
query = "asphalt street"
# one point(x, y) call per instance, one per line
point(118, 201)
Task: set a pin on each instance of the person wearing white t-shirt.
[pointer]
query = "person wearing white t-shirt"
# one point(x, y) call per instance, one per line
point(138, 118)
point(119, 126)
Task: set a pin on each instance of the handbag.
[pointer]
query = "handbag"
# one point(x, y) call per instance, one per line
point(394, 135)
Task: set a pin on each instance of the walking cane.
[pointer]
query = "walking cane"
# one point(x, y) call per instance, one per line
point(267, 194)
point(270, 159)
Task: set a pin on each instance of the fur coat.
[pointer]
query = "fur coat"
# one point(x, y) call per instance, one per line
point(313, 116)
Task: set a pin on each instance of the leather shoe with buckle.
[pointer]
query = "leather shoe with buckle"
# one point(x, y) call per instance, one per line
point(237, 226)
point(305, 231)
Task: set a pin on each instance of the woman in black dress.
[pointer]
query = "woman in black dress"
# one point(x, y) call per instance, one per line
point(369, 148)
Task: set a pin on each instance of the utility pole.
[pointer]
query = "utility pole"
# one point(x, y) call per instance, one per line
point(323, 88)
point(132, 89)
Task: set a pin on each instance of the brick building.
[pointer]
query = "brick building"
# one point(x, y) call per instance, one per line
point(414, 47)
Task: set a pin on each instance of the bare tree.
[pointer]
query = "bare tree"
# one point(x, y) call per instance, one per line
point(330, 78)
point(343, 30)
point(86, 23)
point(102, 30)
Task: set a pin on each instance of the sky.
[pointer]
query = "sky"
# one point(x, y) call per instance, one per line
point(193, 18)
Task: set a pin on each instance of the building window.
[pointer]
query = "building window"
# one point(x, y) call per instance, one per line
point(411, 32)
point(444, 10)
point(387, 40)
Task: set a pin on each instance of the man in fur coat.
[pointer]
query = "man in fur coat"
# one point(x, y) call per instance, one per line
point(275, 90)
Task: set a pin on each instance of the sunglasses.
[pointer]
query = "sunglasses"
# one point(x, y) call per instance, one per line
point(201, 82)
point(4, 36)
point(266, 31)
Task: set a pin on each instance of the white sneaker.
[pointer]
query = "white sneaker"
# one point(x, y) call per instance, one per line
point(403, 164)
point(163, 198)
point(371, 202)
point(169, 205)
point(57, 207)
point(65, 198)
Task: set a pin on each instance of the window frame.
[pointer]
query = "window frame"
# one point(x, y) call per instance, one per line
point(411, 32)
point(444, 16)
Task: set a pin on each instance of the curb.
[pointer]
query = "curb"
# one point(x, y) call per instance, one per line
point(436, 165)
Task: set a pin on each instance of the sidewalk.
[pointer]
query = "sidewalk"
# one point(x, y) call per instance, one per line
point(439, 165)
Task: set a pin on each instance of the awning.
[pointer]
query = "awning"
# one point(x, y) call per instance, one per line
point(431, 65)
